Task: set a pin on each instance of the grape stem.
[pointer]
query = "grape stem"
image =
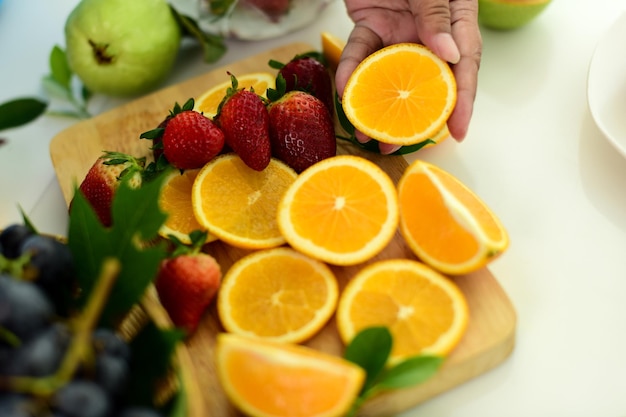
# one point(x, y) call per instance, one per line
point(80, 346)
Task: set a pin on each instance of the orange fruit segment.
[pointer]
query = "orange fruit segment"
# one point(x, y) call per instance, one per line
point(425, 312)
point(238, 204)
point(342, 210)
point(277, 294)
point(269, 379)
point(445, 223)
point(401, 94)
point(209, 101)
point(332, 47)
point(175, 200)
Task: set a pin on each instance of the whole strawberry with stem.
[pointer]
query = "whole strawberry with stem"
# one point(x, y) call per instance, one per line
point(242, 115)
point(302, 131)
point(103, 179)
point(187, 282)
point(189, 139)
point(308, 72)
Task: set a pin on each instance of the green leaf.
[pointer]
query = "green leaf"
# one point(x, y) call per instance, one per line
point(54, 89)
point(136, 220)
point(213, 45)
point(152, 350)
point(59, 67)
point(370, 349)
point(20, 111)
point(220, 8)
point(409, 372)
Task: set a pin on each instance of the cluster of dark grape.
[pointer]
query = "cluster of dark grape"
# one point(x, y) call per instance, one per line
point(37, 335)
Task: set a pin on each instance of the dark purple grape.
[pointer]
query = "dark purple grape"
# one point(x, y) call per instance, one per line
point(17, 405)
point(139, 412)
point(81, 398)
point(41, 355)
point(11, 240)
point(24, 308)
point(52, 265)
point(112, 373)
point(106, 341)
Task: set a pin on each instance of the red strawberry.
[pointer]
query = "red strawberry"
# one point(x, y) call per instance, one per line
point(103, 179)
point(307, 72)
point(242, 116)
point(187, 283)
point(301, 130)
point(274, 9)
point(190, 139)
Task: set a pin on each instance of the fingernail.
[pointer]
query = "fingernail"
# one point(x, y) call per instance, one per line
point(446, 48)
point(388, 149)
point(361, 137)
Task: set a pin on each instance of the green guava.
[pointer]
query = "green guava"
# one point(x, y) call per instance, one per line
point(509, 14)
point(122, 47)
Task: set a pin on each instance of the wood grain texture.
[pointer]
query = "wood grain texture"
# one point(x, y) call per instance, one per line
point(490, 336)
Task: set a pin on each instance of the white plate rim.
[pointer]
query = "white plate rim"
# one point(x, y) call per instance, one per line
point(602, 61)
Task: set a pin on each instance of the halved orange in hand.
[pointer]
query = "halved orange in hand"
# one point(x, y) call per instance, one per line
point(445, 223)
point(277, 294)
point(342, 210)
point(402, 94)
point(270, 379)
point(425, 312)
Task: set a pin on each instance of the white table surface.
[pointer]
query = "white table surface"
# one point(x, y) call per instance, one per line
point(533, 153)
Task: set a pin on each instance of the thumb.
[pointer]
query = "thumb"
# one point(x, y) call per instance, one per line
point(432, 20)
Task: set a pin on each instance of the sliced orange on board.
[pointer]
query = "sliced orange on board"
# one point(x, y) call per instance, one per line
point(425, 311)
point(269, 379)
point(277, 294)
point(342, 210)
point(175, 200)
point(209, 101)
point(238, 204)
point(402, 94)
point(445, 223)
point(332, 47)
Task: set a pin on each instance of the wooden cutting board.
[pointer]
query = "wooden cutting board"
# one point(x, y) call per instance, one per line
point(490, 337)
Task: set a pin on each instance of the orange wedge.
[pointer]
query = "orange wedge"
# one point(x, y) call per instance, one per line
point(277, 294)
point(332, 47)
point(239, 204)
point(446, 225)
point(175, 200)
point(268, 379)
point(342, 210)
point(208, 101)
point(425, 312)
point(402, 94)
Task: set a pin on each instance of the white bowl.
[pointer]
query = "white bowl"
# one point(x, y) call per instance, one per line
point(606, 85)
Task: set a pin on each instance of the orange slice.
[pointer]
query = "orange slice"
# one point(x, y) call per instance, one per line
point(268, 379)
point(401, 94)
point(332, 47)
point(342, 210)
point(210, 100)
point(175, 200)
point(238, 204)
point(277, 294)
point(446, 225)
point(425, 312)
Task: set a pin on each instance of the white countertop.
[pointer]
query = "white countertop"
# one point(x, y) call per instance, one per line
point(533, 153)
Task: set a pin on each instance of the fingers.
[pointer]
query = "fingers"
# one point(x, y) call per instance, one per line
point(433, 23)
point(465, 29)
point(361, 43)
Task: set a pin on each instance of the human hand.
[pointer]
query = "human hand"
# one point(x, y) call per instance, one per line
point(448, 27)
